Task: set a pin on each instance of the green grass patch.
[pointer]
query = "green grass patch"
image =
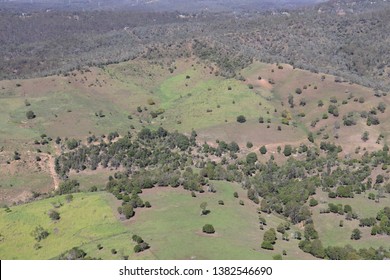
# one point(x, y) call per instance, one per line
point(86, 219)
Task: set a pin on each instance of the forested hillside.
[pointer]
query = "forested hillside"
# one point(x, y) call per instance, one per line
point(345, 38)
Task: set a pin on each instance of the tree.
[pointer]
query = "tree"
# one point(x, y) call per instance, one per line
point(209, 229)
point(310, 232)
point(128, 211)
point(317, 249)
point(310, 137)
point(241, 119)
point(313, 202)
point(69, 198)
point(39, 233)
point(263, 150)
point(287, 150)
point(203, 207)
point(291, 101)
point(356, 234)
point(73, 254)
point(270, 236)
point(68, 186)
point(30, 115)
point(298, 91)
point(379, 179)
point(251, 158)
point(381, 107)
point(54, 215)
point(277, 257)
point(267, 245)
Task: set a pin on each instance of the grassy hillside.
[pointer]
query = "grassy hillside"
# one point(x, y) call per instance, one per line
point(173, 227)
point(182, 95)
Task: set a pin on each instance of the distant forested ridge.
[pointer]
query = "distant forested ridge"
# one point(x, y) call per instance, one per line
point(346, 38)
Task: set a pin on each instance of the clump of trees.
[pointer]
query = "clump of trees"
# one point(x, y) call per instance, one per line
point(141, 244)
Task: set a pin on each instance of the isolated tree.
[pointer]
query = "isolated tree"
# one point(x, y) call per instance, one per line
point(381, 107)
point(208, 228)
point(54, 215)
point(30, 115)
point(356, 234)
point(270, 236)
point(203, 207)
point(39, 233)
point(379, 179)
point(310, 137)
point(263, 150)
point(365, 136)
point(291, 100)
point(241, 119)
point(298, 91)
point(287, 150)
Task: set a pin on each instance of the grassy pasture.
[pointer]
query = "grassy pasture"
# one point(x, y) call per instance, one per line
point(331, 234)
point(174, 226)
point(86, 219)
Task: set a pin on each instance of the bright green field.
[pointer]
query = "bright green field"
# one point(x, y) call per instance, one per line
point(87, 218)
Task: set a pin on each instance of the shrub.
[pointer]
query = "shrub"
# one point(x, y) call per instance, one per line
point(208, 228)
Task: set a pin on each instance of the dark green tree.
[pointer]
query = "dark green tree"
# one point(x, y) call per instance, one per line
point(208, 228)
